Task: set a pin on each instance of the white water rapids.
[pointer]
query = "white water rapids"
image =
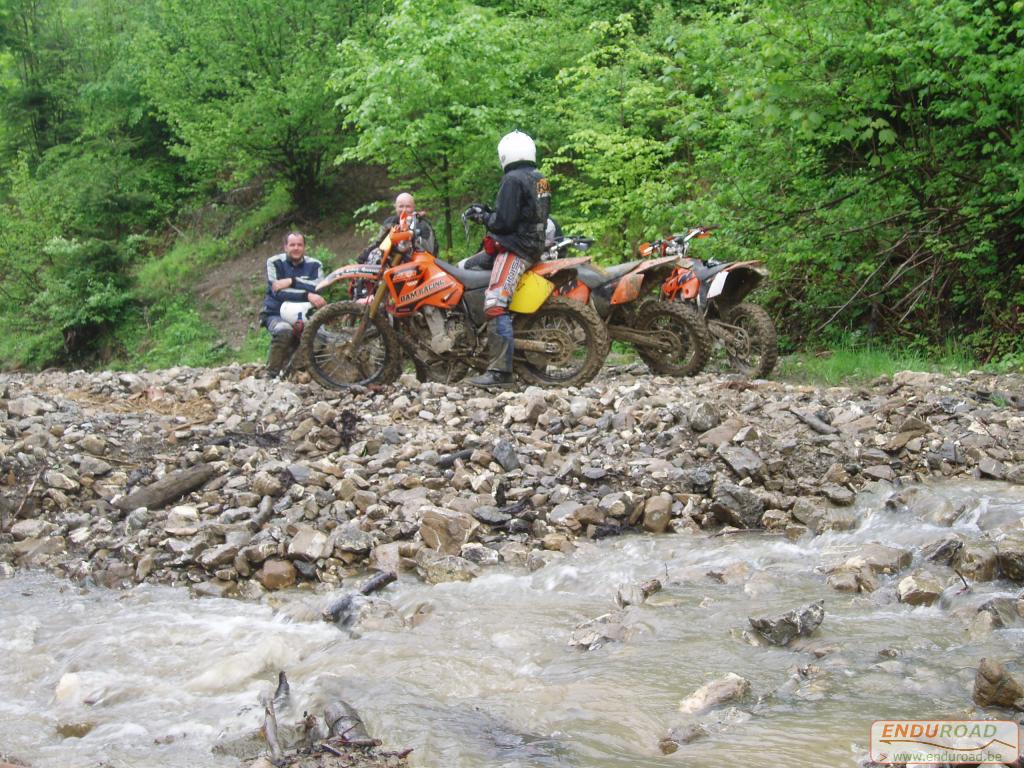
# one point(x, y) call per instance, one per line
point(153, 677)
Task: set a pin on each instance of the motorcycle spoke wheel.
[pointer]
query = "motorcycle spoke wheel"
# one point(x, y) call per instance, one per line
point(749, 345)
point(441, 371)
point(333, 360)
point(579, 335)
point(685, 333)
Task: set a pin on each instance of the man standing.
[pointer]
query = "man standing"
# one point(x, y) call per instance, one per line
point(518, 224)
point(291, 277)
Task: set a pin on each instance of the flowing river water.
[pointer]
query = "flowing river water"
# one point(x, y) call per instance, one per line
point(153, 677)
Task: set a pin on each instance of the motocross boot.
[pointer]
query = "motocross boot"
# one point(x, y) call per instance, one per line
point(500, 346)
point(280, 349)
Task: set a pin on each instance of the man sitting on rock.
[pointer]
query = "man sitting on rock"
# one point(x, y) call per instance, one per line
point(291, 277)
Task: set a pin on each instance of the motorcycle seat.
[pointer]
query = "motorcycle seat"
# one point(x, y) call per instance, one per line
point(592, 275)
point(471, 278)
point(705, 273)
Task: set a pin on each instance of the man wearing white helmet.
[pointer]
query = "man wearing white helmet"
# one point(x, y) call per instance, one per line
point(291, 281)
point(518, 224)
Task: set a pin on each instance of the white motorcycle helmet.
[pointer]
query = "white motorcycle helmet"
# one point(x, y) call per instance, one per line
point(293, 312)
point(515, 147)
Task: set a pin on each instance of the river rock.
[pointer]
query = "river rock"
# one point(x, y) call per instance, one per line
point(1005, 612)
point(310, 545)
point(30, 529)
point(919, 588)
point(728, 688)
point(977, 560)
point(742, 461)
point(439, 569)
point(1010, 555)
point(26, 407)
point(54, 479)
point(737, 506)
point(925, 504)
point(704, 416)
point(994, 686)
point(277, 574)
point(608, 628)
point(783, 629)
point(879, 558)
point(350, 538)
point(446, 530)
point(265, 484)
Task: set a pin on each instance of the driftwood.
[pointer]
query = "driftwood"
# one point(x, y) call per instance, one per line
point(378, 581)
point(448, 460)
point(283, 692)
point(814, 422)
point(270, 734)
point(167, 489)
point(344, 724)
point(344, 736)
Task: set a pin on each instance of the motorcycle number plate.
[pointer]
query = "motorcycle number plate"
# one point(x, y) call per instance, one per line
point(717, 284)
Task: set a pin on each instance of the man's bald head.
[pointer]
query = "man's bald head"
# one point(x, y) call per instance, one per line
point(404, 203)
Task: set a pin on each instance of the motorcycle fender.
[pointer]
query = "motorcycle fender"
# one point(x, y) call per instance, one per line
point(755, 266)
point(653, 263)
point(551, 267)
point(628, 288)
point(350, 272)
point(533, 290)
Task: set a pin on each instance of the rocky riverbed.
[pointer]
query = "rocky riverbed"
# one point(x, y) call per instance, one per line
point(239, 486)
point(232, 484)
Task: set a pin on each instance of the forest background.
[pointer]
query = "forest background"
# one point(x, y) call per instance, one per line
point(870, 151)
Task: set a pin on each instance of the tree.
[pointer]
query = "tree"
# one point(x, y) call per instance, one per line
point(243, 85)
point(435, 88)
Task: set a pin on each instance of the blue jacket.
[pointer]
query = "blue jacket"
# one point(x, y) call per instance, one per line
point(306, 274)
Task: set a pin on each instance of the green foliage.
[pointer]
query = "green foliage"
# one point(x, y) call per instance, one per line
point(242, 82)
point(432, 92)
point(871, 154)
point(849, 362)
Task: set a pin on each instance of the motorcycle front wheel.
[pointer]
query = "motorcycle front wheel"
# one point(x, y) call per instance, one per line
point(577, 336)
point(749, 341)
point(335, 362)
point(684, 333)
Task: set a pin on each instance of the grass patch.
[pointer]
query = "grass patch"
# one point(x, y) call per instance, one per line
point(858, 364)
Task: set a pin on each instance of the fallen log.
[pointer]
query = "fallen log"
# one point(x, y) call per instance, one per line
point(814, 422)
point(167, 489)
point(378, 581)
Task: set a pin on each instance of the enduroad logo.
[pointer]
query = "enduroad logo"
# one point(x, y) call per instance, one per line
point(944, 741)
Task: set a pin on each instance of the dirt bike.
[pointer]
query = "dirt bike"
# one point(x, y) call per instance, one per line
point(433, 311)
point(670, 338)
point(744, 334)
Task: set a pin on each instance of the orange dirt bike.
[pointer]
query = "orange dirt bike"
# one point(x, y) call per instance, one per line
point(433, 312)
point(671, 338)
point(744, 334)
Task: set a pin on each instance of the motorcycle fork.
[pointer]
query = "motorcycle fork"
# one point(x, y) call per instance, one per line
point(373, 307)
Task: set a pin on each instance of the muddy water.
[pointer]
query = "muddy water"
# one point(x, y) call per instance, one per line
point(157, 678)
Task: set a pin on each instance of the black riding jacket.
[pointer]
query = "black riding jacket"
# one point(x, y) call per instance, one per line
point(521, 210)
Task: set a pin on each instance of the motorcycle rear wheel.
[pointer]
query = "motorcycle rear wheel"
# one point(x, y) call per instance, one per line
point(576, 329)
point(749, 340)
point(331, 360)
point(684, 329)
